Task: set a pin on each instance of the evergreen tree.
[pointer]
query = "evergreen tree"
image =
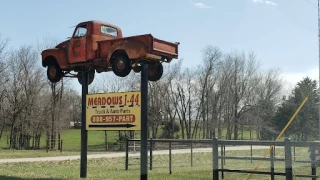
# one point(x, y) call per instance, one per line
point(305, 125)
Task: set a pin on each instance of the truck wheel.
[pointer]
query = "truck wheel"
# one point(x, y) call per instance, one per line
point(155, 71)
point(54, 73)
point(121, 65)
point(90, 77)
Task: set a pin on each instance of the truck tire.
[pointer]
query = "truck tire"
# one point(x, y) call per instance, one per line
point(90, 77)
point(155, 71)
point(121, 65)
point(54, 72)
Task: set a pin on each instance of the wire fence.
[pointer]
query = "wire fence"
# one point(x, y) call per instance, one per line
point(281, 161)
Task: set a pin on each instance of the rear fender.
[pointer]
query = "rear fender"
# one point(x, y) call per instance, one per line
point(57, 55)
point(133, 49)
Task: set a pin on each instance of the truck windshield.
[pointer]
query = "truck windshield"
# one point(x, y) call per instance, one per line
point(81, 31)
point(109, 30)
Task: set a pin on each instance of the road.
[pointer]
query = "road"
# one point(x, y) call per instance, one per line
point(122, 154)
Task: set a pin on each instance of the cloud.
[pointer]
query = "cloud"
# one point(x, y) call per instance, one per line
point(201, 6)
point(271, 3)
point(265, 2)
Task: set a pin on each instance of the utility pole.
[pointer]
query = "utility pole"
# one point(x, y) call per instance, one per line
point(319, 64)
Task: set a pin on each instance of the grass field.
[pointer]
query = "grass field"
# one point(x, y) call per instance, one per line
point(71, 139)
point(71, 145)
point(105, 168)
point(96, 139)
point(114, 168)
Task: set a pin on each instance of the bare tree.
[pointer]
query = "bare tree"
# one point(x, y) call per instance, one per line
point(244, 70)
point(185, 96)
point(3, 81)
point(267, 96)
point(168, 94)
point(23, 87)
point(56, 93)
point(211, 55)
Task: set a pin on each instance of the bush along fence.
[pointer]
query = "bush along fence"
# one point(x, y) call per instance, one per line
point(219, 159)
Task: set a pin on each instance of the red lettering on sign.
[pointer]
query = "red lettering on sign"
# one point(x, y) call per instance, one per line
point(130, 118)
point(114, 101)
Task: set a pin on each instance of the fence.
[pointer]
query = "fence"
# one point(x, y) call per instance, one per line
point(54, 144)
point(70, 145)
point(218, 169)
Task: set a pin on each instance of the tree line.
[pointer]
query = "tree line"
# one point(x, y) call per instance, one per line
point(32, 107)
point(226, 94)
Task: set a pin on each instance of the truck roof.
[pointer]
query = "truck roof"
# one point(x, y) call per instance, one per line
point(96, 23)
point(100, 22)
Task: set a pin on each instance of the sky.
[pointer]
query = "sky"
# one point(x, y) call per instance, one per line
point(282, 33)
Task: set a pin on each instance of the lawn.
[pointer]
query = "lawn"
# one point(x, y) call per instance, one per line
point(114, 168)
point(71, 139)
point(71, 145)
point(96, 139)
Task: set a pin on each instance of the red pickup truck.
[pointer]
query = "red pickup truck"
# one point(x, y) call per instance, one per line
point(100, 47)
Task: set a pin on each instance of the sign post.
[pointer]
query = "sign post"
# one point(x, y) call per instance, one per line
point(84, 132)
point(116, 112)
point(144, 123)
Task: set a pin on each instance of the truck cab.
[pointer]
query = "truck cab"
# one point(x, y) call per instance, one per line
point(100, 47)
point(83, 44)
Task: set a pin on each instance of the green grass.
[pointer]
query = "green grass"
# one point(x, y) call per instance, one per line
point(72, 139)
point(113, 168)
point(71, 145)
point(96, 139)
point(14, 154)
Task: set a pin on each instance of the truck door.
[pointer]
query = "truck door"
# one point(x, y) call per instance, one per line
point(77, 46)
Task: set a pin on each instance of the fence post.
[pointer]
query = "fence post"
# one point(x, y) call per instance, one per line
point(151, 147)
point(274, 149)
point(61, 146)
point(191, 153)
point(294, 152)
point(313, 161)
point(251, 153)
point(288, 159)
point(47, 145)
point(222, 159)
point(224, 153)
point(215, 171)
point(272, 162)
point(127, 153)
point(170, 171)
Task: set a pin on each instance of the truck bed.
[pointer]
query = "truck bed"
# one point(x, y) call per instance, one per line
point(152, 46)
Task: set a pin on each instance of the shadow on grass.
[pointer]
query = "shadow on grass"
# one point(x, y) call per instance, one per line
point(18, 178)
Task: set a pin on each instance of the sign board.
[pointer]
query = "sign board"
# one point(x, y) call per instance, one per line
point(113, 111)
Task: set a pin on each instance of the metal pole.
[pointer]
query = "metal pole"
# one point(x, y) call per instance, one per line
point(61, 146)
point(127, 153)
point(222, 160)
point(191, 154)
point(319, 62)
point(170, 168)
point(84, 132)
point(288, 159)
point(272, 163)
point(251, 153)
point(215, 162)
point(144, 123)
point(151, 147)
point(313, 164)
